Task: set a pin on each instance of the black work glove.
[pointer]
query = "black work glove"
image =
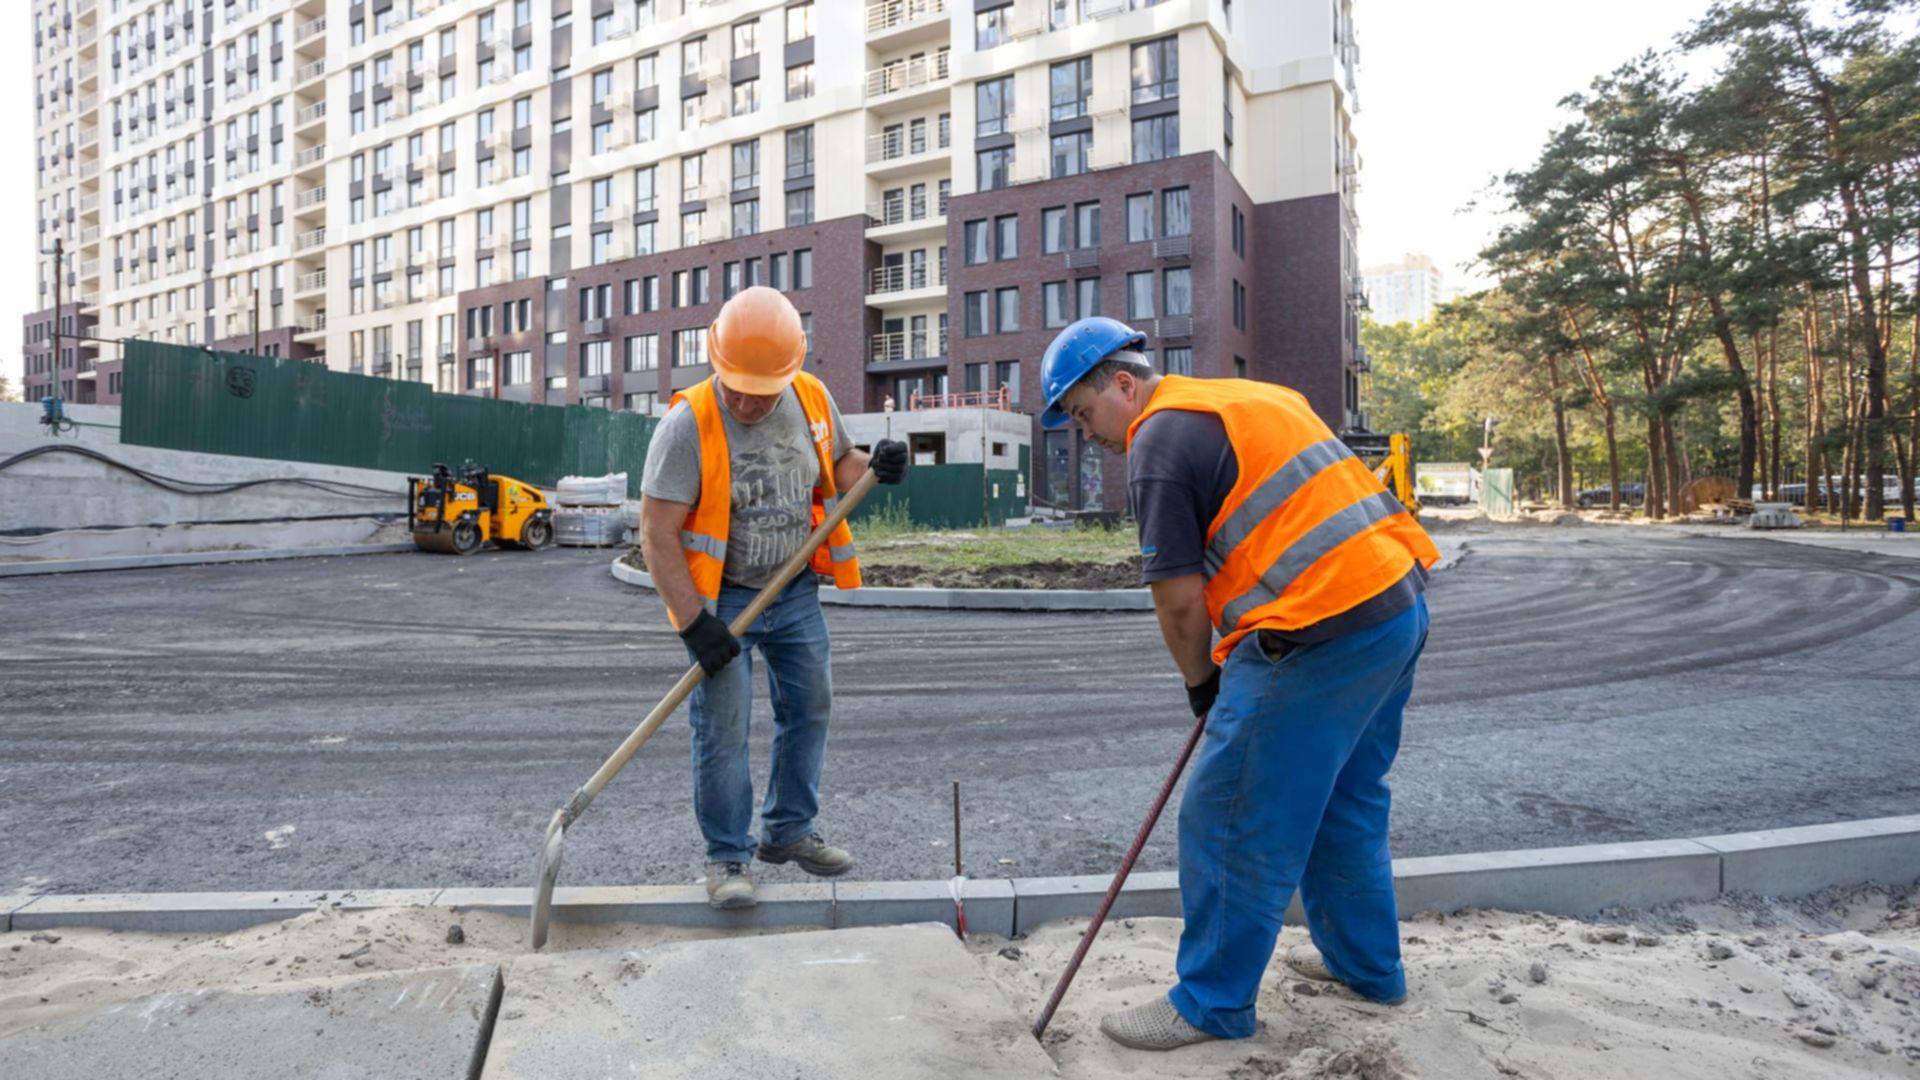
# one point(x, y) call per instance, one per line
point(889, 461)
point(1202, 697)
point(713, 645)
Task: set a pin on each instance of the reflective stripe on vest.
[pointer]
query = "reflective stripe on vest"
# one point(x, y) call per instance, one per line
point(1310, 549)
point(706, 545)
point(1266, 498)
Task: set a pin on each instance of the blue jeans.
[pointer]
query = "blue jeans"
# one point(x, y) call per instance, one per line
point(1289, 789)
point(792, 637)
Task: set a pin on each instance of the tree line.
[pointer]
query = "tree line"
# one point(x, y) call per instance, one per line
point(1706, 276)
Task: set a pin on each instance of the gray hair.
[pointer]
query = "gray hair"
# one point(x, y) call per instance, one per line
point(1127, 360)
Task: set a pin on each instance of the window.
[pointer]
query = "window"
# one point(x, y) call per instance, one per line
point(1140, 295)
point(746, 39)
point(1007, 373)
point(992, 168)
point(799, 23)
point(730, 280)
point(602, 136)
point(975, 305)
point(596, 357)
point(1176, 361)
point(800, 207)
point(746, 217)
point(1053, 230)
point(803, 268)
point(523, 59)
point(746, 165)
point(993, 106)
point(1139, 218)
point(1179, 292)
point(1089, 305)
point(777, 270)
point(1006, 232)
point(800, 152)
point(596, 301)
point(1239, 306)
point(1007, 310)
point(1239, 233)
point(679, 288)
point(975, 238)
point(1070, 153)
point(643, 352)
point(693, 227)
point(1086, 225)
point(992, 28)
point(1156, 70)
point(642, 402)
point(1053, 297)
point(690, 347)
point(632, 294)
point(1072, 85)
point(697, 290)
point(800, 82)
point(693, 55)
point(1156, 138)
point(1176, 218)
point(746, 97)
point(976, 376)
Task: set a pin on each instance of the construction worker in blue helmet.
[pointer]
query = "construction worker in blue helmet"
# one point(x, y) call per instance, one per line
point(1289, 586)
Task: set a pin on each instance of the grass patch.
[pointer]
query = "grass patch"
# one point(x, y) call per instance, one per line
point(894, 542)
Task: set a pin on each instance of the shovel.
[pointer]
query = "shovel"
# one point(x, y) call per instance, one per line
point(549, 866)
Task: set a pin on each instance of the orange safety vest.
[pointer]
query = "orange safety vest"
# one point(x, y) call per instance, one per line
point(1308, 531)
point(704, 536)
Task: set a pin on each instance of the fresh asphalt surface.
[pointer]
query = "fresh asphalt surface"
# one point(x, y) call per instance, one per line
point(413, 720)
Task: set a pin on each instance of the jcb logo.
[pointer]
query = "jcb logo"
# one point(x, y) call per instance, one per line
point(822, 431)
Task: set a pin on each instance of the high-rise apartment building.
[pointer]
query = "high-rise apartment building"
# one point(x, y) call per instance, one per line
point(1405, 291)
point(548, 200)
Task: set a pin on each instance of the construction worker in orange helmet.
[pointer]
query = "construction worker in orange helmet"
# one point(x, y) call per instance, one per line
point(739, 472)
point(1259, 526)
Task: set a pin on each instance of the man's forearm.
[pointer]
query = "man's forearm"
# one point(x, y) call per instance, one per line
point(668, 567)
point(1181, 606)
point(848, 470)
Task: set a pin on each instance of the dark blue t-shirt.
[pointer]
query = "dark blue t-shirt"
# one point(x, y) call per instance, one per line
point(1180, 470)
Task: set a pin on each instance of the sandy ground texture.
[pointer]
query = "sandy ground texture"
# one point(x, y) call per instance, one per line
point(1759, 991)
point(1827, 988)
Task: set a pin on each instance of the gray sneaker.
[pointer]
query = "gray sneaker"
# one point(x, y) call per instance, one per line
point(730, 886)
point(1305, 960)
point(810, 853)
point(1157, 1025)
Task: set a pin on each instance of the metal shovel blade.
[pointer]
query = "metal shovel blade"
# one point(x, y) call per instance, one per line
point(546, 874)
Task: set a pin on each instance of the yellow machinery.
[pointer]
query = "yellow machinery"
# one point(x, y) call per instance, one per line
point(460, 516)
point(1391, 459)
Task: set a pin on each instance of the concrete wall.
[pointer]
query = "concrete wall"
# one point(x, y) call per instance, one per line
point(968, 432)
point(66, 491)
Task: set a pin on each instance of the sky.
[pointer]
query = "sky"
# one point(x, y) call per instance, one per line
point(1452, 93)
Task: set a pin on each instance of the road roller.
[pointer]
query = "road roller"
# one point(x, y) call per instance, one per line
point(459, 516)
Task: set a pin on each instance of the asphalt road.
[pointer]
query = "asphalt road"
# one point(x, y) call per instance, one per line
point(413, 720)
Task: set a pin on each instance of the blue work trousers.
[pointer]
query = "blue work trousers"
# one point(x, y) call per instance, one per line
point(791, 636)
point(1289, 789)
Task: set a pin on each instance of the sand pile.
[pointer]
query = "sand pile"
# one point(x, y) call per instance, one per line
point(1757, 990)
point(1826, 988)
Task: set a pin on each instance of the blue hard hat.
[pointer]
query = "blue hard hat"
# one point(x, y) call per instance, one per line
point(1078, 350)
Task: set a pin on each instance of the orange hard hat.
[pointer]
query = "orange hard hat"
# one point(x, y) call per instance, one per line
point(757, 344)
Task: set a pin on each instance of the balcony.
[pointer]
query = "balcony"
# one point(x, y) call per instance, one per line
point(887, 281)
point(89, 137)
point(906, 21)
point(90, 236)
point(312, 198)
point(313, 327)
point(306, 73)
point(89, 269)
point(85, 72)
point(907, 351)
point(311, 114)
point(1173, 326)
point(306, 284)
point(309, 30)
point(307, 241)
point(1173, 247)
point(90, 203)
point(906, 83)
point(311, 156)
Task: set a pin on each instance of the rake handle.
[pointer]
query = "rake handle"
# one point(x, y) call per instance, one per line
point(1119, 879)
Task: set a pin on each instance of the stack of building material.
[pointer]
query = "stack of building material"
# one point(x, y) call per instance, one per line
point(589, 512)
point(1773, 515)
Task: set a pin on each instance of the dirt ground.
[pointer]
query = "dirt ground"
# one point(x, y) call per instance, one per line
point(1756, 989)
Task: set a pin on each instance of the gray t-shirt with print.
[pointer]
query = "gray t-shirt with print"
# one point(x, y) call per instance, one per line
point(775, 469)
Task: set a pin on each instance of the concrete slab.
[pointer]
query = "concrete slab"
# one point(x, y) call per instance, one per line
point(897, 1002)
point(195, 558)
point(1795, 862)
point(1572, 881)
point(429, 1023)
point(11, 903)
point(1042, 900)
point(202, 913)
point(803, 904)
point(889, 903)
